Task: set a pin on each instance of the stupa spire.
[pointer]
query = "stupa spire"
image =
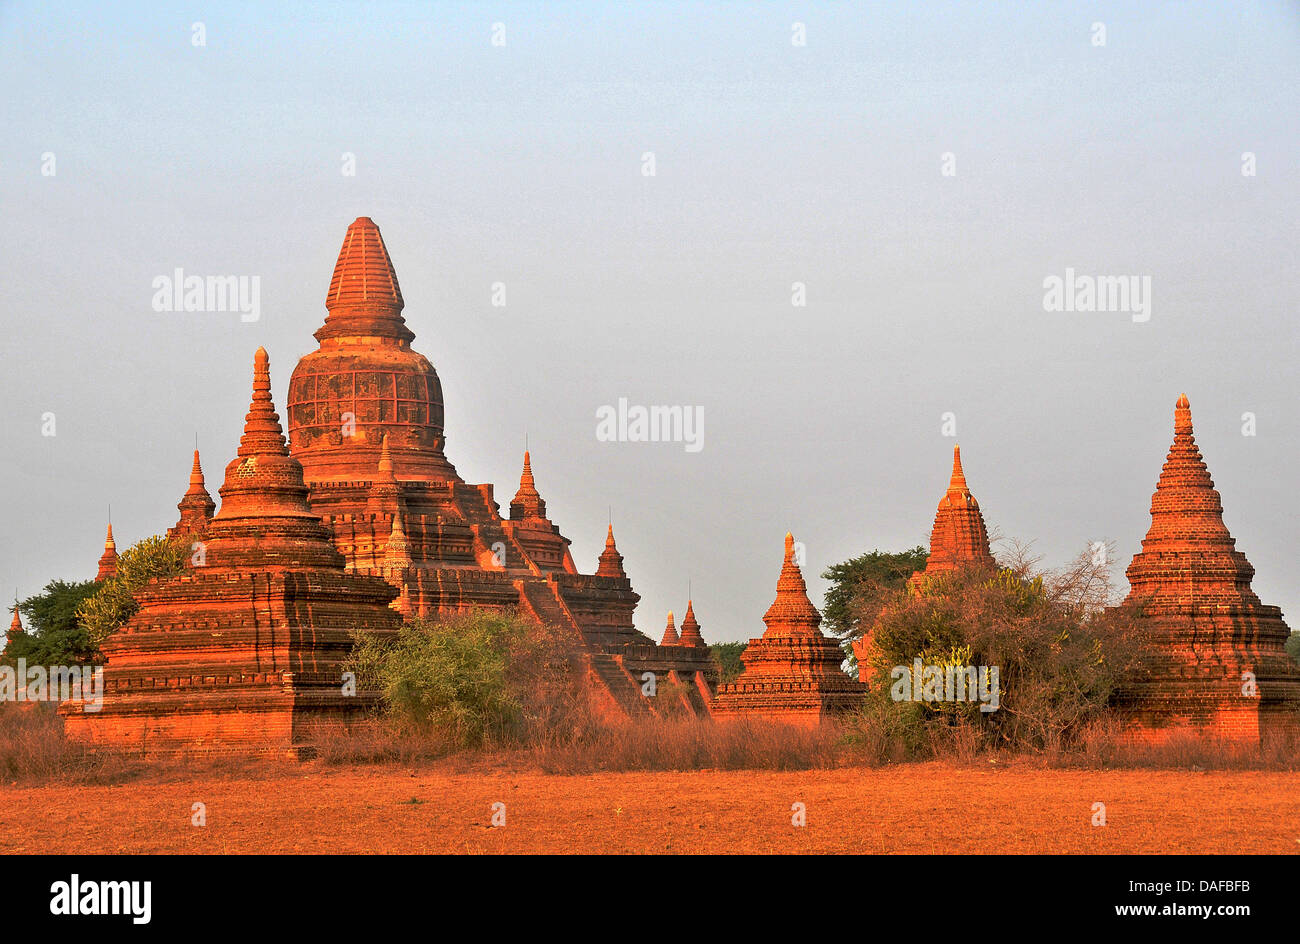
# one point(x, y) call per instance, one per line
point(611, 561)
point(196, 505)
point(791, 613)
point(670, 633)
point(15, 624)
point(959, 537)
point(398, 552)
point(108, 560)
point(958, 480)
point(1204, 629)
point(263, 481)
point(364, 298)
point(527, 502)
point(1188, 550)
point(690, 628)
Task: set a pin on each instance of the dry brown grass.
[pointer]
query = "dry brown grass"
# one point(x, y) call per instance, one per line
point(33, 749)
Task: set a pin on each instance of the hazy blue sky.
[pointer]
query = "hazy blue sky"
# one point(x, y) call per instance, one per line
point(776, 164)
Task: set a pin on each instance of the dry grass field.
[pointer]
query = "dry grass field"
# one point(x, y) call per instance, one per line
point(447, 808)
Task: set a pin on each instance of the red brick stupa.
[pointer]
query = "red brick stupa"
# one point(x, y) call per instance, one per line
point(670, 637)
point(792, 672)
point(108, 560)
point(246, 652)
point(958, 538)
point(691, 628)
point(15, 629)
point(196, 507)
point(1204, 626)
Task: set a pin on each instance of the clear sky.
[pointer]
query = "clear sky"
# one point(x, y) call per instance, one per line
point(775, 163)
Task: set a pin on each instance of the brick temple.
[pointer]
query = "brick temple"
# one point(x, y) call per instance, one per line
point(792, 672)
point(1208, 635)
point(234, 650)
point(246, 651)
point(958, 540)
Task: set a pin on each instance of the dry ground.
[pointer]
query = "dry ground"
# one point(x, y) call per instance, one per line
point(932, 807)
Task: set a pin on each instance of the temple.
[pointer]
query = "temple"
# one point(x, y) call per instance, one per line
point(248, 650)
point(1216, 656)
point(364, 470)
point(958, 538)
point(365, 419)
point(792, 672)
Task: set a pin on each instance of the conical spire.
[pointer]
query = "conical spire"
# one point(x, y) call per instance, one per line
point(398, 552)
point(263, 480)
point(527, 502)
point(16, 624)
point(196, 505)
point(108, 560)
point(364, 298)
point(265, 519)
point(385, 495)
point(670, 633)
point(958, 480)
point(791, 613)
point(690, 628)
point(611, 561)
point(1188, 552)
point(959, 537)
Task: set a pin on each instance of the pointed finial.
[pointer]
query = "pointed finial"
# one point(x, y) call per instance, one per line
point(609, 537)
point(1183, 415)
point(958, 480)
point(196, 472)
point(385, 459)
point(789, 547)
point(108, 541)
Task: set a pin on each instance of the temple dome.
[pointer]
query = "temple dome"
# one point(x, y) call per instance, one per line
point(366, 371)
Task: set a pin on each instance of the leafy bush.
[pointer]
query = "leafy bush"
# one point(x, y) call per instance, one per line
point(113, 603)
point(475, 679)
point(1059, 656)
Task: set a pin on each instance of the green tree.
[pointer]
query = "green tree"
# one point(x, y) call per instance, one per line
point(860, 586)
point(726, 655)
point(113, 603)
point(1293, 646)
point(54, 635)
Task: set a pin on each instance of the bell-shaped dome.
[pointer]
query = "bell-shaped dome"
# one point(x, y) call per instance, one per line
point(365, 382)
